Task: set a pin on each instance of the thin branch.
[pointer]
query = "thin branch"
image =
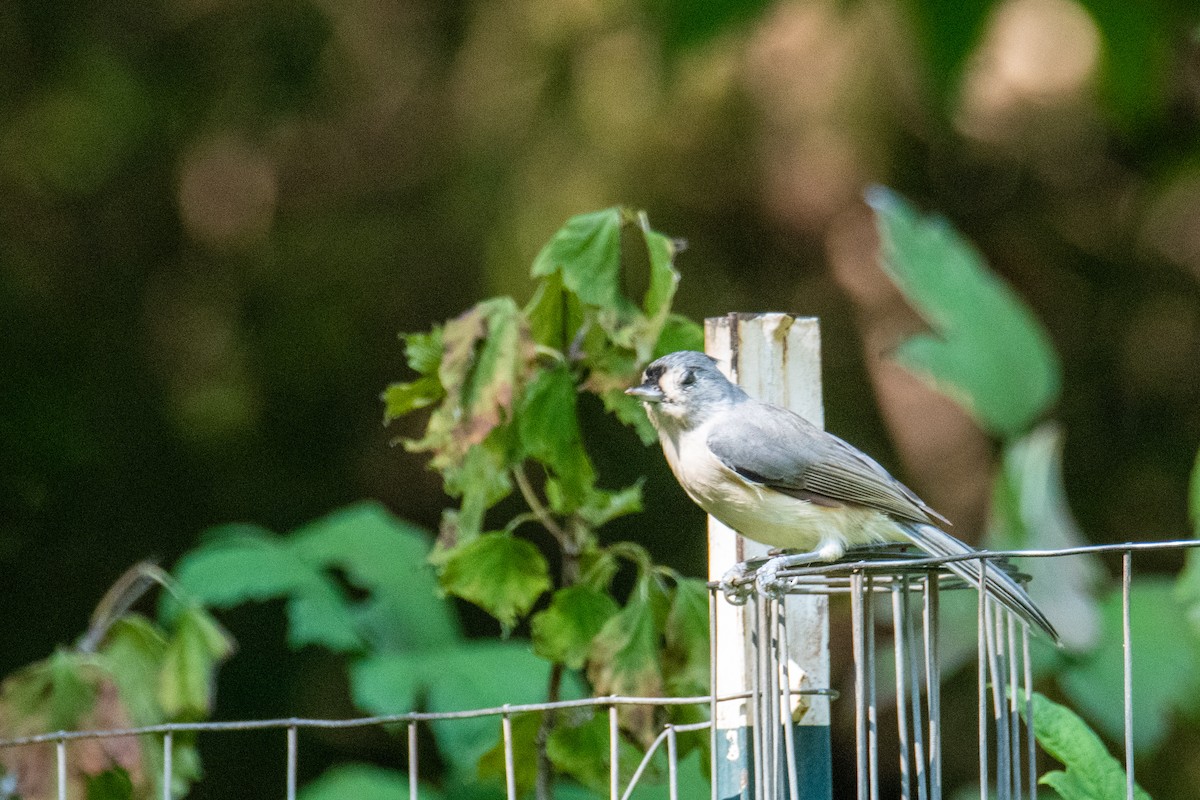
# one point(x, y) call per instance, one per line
point(540, 511)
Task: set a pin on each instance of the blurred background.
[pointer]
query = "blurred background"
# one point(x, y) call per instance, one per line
point(215, 217)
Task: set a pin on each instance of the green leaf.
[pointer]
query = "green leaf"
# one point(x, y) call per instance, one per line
point(473, 674)
point(363, 782)
point(237, 563)
point(482, 480)
point(1166, 665)
point(579, 746)
point(385, 557)
point(1029, 511)
point(548, 424)
point(586, 251)
point(685, 658)
point(401, 398)
point(624, 658)
point(194, 651)
point(491, 765)
point(498, 572)
point(133, 653)
point(986, 350)
point(603, 506)
point(678, 333)
point(564, 631)
point(424, 351)
point(111, 784)
point(1092, 773)
point(555, 315)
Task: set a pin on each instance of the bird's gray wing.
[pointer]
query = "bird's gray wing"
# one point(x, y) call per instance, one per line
point(772, 446)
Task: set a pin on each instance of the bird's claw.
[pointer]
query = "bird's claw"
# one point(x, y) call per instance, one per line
point(735, 584)
point(767, 581)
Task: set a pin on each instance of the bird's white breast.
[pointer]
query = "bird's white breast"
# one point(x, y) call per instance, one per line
point(761, 513)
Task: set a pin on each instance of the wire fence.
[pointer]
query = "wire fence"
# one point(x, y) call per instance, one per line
point(911, 585)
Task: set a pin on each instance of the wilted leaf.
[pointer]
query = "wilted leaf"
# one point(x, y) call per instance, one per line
point(196, 648)
point(401, 398)
point(985, 349)
point(482, 480)
point(498, 572)
point(1166, 666)
point(564, 631)
point(685, 659)
point(1092, 773)
point(624, 659)
point(1030, 512)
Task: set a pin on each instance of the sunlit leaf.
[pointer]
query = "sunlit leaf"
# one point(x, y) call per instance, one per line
point(501, 573)
point(678, 333)
point(586, 251)
point(564, 631)
point(1029, 511)
point(1092, 773)
point(1166, 666)
point(423, 351)
point(985, 348)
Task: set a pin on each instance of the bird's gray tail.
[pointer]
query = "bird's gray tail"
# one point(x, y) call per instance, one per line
point(1000, 585)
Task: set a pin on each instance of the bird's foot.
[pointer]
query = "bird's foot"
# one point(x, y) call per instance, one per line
point(768, 581)
point(736, 583)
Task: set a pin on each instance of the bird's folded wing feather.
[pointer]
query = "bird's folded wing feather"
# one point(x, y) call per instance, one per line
point(774, 447)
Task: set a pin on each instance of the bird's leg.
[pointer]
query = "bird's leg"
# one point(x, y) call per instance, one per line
point(735, 583)
point(767, 579)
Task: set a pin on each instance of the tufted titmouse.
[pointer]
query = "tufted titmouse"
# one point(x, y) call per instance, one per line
point(778, 479)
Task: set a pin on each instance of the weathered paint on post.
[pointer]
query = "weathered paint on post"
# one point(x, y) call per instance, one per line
point(776, 358)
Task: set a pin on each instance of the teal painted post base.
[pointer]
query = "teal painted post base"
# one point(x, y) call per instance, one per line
point(814, 764)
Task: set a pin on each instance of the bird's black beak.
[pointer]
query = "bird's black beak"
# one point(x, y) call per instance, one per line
point(648, 392)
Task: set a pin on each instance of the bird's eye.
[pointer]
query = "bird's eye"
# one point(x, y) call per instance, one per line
point(688, 378)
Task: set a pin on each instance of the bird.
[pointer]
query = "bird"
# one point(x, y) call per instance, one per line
point(776, 478)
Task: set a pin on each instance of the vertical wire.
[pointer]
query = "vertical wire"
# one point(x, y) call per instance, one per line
point(1014, 716)
point(413, 780)
point(872, 704)
point(757, 689)
point(1127, 646)
point(60, 759)
point(914, 689)
point(994, 614)
point(168, 764)
point(770, 659)
point(1030, 742)
point(981, 646)
point(858, 643)
point(672, 764)
point(901, 680)
point(292, 760)
point(712, 691)
point(789, 742)
point(510, 770)
point(614, 765)
point(933, 684)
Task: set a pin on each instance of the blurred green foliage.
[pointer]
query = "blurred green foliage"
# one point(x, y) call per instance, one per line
point(214, 216)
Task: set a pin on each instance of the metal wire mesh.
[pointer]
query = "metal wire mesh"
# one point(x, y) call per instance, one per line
point(911, 585)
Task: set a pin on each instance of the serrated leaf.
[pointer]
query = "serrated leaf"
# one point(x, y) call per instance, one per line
point(196, 648)
point(586, 251)
point(481, 480)
point(1092, 773)
point(548, 426)
point(985, 350)
point(1166, 665)
point(491, 766)
point(1029, 511)
point(603, 506)
point(363, 782)
point(423, 351)
point(401, 398)
point(498, 572)
point(555, 314)
point(624, 659)
point(685, 658)
point(564, 631)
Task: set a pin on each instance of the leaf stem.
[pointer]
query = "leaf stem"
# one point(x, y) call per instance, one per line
point(539, 510)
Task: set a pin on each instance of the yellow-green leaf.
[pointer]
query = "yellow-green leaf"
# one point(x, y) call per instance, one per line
point(498, 572)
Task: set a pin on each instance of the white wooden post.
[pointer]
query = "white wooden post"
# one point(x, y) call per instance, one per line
point(774, 357)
